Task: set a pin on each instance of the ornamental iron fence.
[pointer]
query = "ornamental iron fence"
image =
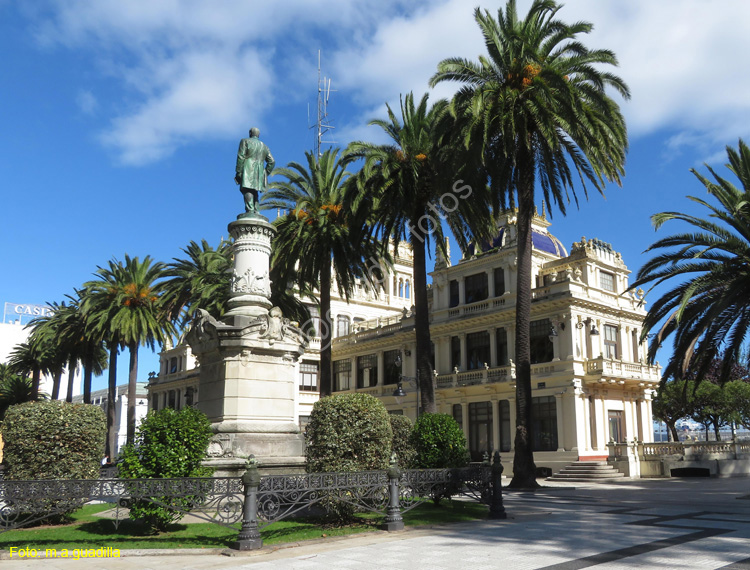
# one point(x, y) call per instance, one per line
point(254, 500)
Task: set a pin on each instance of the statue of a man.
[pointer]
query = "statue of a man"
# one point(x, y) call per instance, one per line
point(254, 164)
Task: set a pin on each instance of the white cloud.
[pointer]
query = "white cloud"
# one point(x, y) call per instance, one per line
point(193, 69)
point(207, 95)
point(86, 102)
point(679, 57)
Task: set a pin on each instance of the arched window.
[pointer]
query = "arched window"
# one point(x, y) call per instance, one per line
point(407, 290)
point(400, 287)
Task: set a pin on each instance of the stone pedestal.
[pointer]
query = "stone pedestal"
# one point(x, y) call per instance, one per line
point(249, 365)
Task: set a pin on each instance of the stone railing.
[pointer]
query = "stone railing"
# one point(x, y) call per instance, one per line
point(376, 327)
point(486, 305)
point(687, 450)
point(618, 368)
point(476, 377)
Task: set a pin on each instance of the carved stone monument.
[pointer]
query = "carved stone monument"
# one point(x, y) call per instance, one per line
point(249, 364)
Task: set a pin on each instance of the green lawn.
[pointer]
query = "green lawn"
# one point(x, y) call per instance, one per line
point(89, 531)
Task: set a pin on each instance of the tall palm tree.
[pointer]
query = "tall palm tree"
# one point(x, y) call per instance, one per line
point(708, 308)
point(202, 281)
point(537, 108)
point(52, 359)
point(125, 305)
point(30, 358)
point(410, 185)
point(330, 240)
point(81, 340)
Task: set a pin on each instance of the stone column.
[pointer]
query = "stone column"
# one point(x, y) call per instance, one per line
point(496, 443)
point(493, 348)
point(560, 422)
point(251, 285)
point(464, 359)
point(512, 414)
point(381, 366)
point(461, 291)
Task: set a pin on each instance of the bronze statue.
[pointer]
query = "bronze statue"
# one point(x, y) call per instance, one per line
point(254, 164)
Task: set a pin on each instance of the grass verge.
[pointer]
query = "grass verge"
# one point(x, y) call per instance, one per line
point(89, 531)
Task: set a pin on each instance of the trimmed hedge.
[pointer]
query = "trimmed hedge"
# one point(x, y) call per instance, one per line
point(401, 444)
point(439, 442)
point(348, 432)
point(168, 444)
point(53, 440)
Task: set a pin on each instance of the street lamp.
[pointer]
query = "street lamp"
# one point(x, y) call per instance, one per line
point(588, 321)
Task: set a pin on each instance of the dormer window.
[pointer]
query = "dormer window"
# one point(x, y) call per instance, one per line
point(607, 281)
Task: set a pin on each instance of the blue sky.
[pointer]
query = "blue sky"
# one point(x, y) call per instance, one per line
point(120, 120)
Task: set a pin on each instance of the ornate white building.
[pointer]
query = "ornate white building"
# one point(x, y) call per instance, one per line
point(590, 382)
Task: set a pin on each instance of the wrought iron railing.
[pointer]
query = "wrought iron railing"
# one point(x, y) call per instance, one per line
point(256, 500)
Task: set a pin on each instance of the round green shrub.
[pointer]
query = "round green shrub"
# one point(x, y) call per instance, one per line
point(439, 442)
point(401, 444)
point(53, 440)
point(168, 444)
point(348, 432)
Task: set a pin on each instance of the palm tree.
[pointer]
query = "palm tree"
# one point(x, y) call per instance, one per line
point(125, 306)
point(81, 340)
point(409, 185)
point(30, 358)
point(536, 108)
point(15, 389)
point(45, 333)
point(330, 239)
point(708, 309)
point(202, 281)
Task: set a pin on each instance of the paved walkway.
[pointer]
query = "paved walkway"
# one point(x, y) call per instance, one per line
point(673, 523)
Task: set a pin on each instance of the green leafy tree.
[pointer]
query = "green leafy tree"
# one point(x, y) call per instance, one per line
point(738, 392)
point(168, 444)
point(536, 108)
point(319, 239)
point(410, 185)
point(711, 407)
point(707, 310)
point(439, 442)
point(402, 444)
point(672, 403)
point(125, 305)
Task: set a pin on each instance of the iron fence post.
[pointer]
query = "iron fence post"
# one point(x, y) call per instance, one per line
point(393, 518)
point(249, 536)
point(497, 510)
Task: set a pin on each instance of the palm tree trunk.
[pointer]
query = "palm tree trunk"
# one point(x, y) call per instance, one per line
point(56, 380)
point(326, 334)
point(524, 469)
point(71, 376)
point(36, 379)
point(422, 320)
point(132, 379)
point(111, 411)
point(87, 372)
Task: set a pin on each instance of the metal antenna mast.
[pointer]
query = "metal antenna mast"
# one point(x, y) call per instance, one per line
point(322, 124)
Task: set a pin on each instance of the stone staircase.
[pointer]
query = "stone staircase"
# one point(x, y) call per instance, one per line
point(591, 471)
